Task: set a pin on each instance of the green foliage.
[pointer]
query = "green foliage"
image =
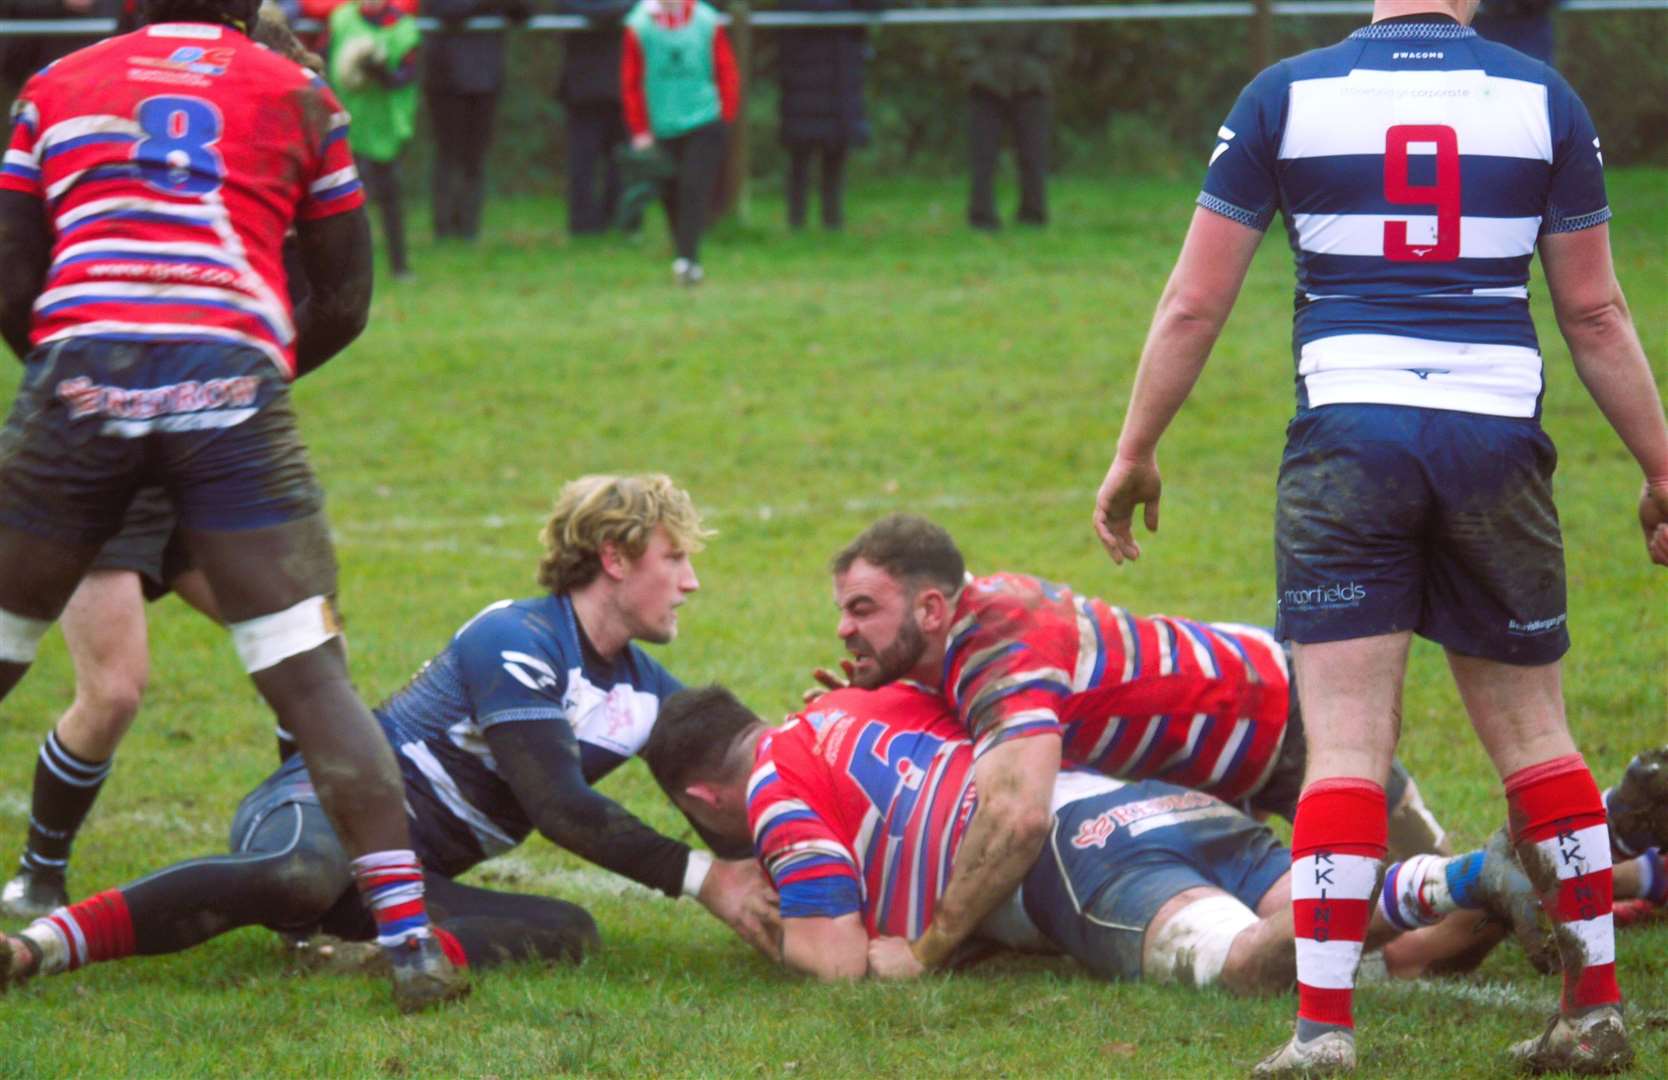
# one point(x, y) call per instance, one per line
point(813, 383)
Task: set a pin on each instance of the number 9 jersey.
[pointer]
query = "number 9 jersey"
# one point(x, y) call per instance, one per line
point(1415, 165)
point(170, 163)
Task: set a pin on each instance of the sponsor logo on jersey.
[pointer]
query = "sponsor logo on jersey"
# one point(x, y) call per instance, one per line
point(192, 58)
point(529, 671)
point(1419, 55)
point(87, 398)
point(1095, 832)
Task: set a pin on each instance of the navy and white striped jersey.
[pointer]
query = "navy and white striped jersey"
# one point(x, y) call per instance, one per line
point(1415, 166)
point(521, 661)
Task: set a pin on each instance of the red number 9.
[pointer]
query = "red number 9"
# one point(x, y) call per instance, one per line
point(1444, 195)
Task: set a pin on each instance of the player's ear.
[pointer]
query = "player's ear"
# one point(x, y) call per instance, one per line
point(614, 561)
point(704, 793)
point(932, 609)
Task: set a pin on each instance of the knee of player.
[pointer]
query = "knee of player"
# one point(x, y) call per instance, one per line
point(1218, 941)
point(303, 887)
point(109, 697)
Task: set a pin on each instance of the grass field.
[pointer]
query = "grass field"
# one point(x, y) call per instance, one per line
point(814, 382)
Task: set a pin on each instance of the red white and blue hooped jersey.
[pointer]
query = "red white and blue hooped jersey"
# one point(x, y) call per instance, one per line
point(170, 163)
point(858, 804)
point(1415, 166)
point(1202, 705)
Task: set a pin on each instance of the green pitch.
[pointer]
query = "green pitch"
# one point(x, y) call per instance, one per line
point(813, 383)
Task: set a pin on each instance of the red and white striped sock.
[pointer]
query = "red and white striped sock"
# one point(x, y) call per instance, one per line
point(98, 928)
point(1558, 824)
point(1339, 840)
point(391, 885)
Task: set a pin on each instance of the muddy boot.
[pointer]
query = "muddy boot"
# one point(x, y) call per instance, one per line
point(1590, 1044)
point(424, 976)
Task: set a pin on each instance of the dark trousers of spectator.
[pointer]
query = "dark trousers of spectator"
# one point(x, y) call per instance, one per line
point(831, 157)
point(1028, 119)
point(462, 135)
point(595, 128)
point(700, 157)
point(382, 183)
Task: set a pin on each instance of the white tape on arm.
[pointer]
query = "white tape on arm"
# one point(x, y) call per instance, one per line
point(20, 637)
point(695, 873)
point(266, 640)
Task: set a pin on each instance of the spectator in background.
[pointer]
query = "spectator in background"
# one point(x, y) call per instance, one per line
point(1009, 70)
point(1525, 25)
point(680, 88)
point(589, 91)
point(462, 76)
point(21, 57)
point(373, 65)
point(822, 104)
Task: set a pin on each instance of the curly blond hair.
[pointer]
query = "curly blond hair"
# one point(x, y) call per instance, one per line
point(623, 510)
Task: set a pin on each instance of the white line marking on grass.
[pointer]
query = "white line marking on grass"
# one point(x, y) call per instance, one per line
point(514, 872)
point(1494, 995)
point(362, 532)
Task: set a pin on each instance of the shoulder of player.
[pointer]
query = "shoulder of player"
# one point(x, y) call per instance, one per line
point(531, 625)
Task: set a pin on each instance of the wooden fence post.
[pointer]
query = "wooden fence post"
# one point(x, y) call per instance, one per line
point(1262, 34)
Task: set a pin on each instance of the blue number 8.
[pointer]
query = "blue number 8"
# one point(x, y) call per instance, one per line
point(177, 154)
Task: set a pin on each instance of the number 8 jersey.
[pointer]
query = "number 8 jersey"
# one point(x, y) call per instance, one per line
point(170, 162)
point(1415, 165)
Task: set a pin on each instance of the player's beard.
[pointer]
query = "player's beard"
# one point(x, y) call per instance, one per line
point(897, 660)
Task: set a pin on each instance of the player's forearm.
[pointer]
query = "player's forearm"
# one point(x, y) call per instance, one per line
point(996, 853)
point(1611, 363)
point(336, 252)
point(833, 950)
point(24, 250)
point(1177, 347)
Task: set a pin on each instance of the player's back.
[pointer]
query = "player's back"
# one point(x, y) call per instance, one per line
point(1415, 166)
point(1199, 704)
point(865, 786)
point(171, 161)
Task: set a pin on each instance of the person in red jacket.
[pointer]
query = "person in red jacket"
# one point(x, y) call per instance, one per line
point(680, 90)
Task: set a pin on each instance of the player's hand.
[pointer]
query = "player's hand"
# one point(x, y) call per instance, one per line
point(738, 894)
point(826, 680)
point(892, 958)
point(1653, 518)
point(1128, 484)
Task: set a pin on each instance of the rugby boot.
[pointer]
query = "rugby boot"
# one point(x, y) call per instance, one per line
point(1590, 1044)
point(33, 894)
point(424, 976)
point(1638, 806)
point(1331, 1053)
point(1507, 894)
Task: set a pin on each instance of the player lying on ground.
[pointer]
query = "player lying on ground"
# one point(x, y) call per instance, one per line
point(859, 808)
point(1033, 671)
point(502, 732)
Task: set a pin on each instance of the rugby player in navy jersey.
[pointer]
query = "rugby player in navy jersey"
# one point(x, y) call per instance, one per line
point(859, 807)
point(503, 732)
point(1418, 169)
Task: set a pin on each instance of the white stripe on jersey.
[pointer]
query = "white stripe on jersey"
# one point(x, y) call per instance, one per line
point(776, 810)
point(1328, 965)
point(1363, 234)
point(107, 327)
point(1088, 647)
point(181, 293)
point(1242, 729)
point(23, 158)
point(1334, 877)
point(332, 180)
point(206, 214)
point(491, 838)
point(207, 252)
point(1492, 116)
point(1584, 851)
point(1496, 380)
point(760, 775)
point(1195, 728)
point(77, 126)
point(1074, 784)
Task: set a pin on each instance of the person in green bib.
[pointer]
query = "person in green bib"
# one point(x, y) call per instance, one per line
point(373, 67)
point(680, 90)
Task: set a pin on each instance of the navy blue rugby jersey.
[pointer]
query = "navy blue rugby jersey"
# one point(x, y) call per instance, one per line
point(516, 661)
point(1415, 165)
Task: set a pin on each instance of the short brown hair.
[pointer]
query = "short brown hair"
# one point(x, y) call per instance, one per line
point(621, 510)
point(694, 738)
point(909, 547)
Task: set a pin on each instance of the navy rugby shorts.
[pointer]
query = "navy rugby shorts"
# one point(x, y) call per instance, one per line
point(96, 419)
point(148, 544)
point(1391, 518)
point(1113, 859)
